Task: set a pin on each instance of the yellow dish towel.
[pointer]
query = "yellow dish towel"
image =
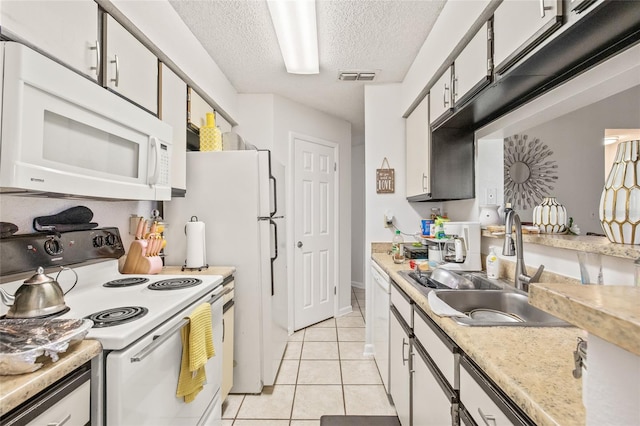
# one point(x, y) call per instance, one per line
point(197, 348)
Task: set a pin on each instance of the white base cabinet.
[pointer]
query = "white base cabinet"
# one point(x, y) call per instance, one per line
point(483, 405)
point(399, 367)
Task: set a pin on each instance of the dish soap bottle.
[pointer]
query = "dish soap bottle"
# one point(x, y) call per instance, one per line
point(493, 265)
point(210, 136)
point(397, 248)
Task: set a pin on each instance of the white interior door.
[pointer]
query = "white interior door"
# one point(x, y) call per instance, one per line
point(314, 258)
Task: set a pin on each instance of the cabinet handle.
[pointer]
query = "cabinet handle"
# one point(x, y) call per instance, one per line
point(455, 89)
point(404, 360)
point(424, 182)
point(60, 423)
point(117, 63)
point(98, 56)
point(486, 418)
point(543, 8)
point(445, 101)
point(412, 355)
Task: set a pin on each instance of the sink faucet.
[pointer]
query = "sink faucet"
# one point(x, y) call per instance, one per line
point(522, 280)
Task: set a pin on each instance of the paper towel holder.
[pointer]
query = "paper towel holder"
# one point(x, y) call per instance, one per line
point(198, 268)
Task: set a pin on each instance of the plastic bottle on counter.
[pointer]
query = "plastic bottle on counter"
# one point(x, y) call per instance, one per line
point(493, 264)
point(397, 248)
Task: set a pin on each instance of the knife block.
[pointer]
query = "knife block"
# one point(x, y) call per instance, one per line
point(138, 262)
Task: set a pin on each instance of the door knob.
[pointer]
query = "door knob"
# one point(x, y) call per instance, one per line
point(299, 244)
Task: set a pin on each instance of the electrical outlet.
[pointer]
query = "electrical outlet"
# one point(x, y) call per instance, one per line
point(387, 222)
point(492, 196)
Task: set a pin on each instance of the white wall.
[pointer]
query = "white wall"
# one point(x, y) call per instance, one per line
point(267, 122)
point(357, 216)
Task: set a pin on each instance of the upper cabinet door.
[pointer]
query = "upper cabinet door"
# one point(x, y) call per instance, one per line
point(131, 69)
point(173, 110)
point(66, 30)
point(418, 144)
point(440, 99)
point(472, 68)
point(197, 109)
point(521, 25)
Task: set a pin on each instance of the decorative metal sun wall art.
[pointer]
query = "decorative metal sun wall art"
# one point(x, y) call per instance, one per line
point(529, 173)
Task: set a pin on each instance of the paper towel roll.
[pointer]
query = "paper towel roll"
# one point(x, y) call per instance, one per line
point(196, 249)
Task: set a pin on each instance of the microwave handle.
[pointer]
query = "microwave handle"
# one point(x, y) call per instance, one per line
point(155, 147)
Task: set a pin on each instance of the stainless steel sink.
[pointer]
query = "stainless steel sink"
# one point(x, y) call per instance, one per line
point(423, 282)
point(497, 308)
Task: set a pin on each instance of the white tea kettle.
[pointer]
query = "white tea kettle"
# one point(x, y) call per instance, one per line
point(38, 296)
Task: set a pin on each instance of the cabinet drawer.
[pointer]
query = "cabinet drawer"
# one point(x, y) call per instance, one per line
point(71, 410)
point(402, 303)
point(441, 353)
point(484, 403)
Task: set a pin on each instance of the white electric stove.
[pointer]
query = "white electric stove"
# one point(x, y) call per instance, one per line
point(137, 319)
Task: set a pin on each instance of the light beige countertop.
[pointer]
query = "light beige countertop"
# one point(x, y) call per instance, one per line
point(225, 271)
point(609, 312)
point(532, 365)
point(14, 390)
point(587, 243)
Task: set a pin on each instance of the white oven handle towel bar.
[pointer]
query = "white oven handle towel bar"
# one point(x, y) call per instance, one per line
point(160, 339)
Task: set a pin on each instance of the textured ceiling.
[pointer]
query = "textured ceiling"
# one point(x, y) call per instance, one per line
point(384, 36)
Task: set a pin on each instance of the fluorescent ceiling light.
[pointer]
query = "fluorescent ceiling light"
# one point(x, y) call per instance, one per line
point(295, 25)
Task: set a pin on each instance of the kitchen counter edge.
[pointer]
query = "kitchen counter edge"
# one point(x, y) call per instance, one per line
point(14, 390)
point(224, 271)
point(532, 365)
point(607, 311)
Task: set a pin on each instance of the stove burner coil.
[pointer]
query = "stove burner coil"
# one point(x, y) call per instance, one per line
point(117, 316)
point(174, 284)
point(126, 282)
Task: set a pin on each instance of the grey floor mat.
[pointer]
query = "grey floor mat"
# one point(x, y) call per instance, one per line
point(359, 421)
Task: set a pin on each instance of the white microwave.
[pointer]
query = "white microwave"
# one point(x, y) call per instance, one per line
point(64, 134)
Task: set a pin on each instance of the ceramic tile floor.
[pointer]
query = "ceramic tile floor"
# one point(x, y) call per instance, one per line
point(323, 371)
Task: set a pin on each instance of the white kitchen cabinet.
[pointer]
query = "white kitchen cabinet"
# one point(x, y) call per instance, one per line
point(477, 401)
point(197, 109)
point(72, 410)
point(440, 98)
point(131, 68)
point(173, 110)
point(228, 320)
point(399, 366)
point(65, 30)
point(435, 368)
point(431, 405)
point(472, 67)
point(520, 25)
point(418, 150)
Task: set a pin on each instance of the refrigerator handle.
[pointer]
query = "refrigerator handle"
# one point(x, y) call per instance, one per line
point(275, 193)
point(275, 252)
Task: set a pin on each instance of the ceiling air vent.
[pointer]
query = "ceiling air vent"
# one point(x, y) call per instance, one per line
point(354, 75)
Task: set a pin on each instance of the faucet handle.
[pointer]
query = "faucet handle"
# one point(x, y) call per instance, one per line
point(536, 277)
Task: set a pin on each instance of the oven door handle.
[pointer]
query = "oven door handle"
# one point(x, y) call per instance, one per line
point(160, 339)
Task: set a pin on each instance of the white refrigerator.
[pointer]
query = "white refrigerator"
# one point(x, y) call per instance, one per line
point(239, 195)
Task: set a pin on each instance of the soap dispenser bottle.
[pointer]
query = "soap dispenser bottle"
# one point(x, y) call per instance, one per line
point(493, 264)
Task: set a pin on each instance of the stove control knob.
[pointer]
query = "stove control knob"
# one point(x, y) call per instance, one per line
point(111, 239)
point(53, 247)
point(98, 241)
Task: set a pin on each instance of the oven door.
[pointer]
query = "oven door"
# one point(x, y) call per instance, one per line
point(141, 380)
